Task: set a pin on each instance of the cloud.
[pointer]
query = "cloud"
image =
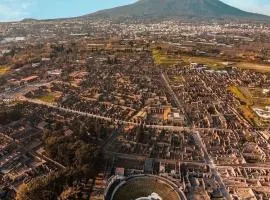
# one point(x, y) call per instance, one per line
point(11, 10)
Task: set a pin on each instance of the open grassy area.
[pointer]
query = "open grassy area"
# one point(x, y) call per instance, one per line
point(261, 97)
point(246, 104)
point(250, 115)
point(4, 70)
point(251, 96)
point(49, 97)
point(264, 68)
point(161, 58)
point(178, 79)
point(259, 92)
point(245, 95)
point(238, 92)
point(213, 63)
point(143, 187)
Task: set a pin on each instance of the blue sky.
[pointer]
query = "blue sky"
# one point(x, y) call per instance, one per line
point(11, 10)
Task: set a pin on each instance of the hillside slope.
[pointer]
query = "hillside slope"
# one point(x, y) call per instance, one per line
point(178, 8)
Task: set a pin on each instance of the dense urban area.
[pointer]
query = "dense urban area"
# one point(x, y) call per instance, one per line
point(179, 108)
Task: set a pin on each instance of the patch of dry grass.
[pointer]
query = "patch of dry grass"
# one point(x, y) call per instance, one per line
point(264, 68)
point(4, 70)
point(248, 101)
point(214, 63)
point(49, 97)
point(237, 91)
point(163, 59)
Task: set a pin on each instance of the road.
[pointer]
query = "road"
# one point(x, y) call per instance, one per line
point(21, 90)
point(172, 93)
point(193, 131)
point(171, 128)
point(199, 141)
point(33, 153)
point(143, 158)
point(212, 165)
point(17, 94)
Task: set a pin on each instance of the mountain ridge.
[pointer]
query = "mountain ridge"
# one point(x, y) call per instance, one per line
point(178, 8)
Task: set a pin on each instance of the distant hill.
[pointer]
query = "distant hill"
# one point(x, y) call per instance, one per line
point(29, 20)
point(178, 8)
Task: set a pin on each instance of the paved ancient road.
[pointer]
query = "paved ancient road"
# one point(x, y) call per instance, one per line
point(172, 128)
point(194, 131)
point(172, 93)
point(212, 165)
point(199, 141)
point(33, 153)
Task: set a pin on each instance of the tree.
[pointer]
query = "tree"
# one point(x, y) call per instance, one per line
point(3, 81)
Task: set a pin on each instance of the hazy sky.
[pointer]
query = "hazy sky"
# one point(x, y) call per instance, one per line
point(41, 9)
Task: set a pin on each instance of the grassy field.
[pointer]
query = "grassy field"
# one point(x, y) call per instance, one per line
point(49, 97)
point(213, 63)
point(143, 187)
point(264, 68)
point(259, 92)
point(251, 96)
point(178, 79)
point(238, 92)
point(245, 95)
point(250, 115)
point(4, 70)
point(161, 58)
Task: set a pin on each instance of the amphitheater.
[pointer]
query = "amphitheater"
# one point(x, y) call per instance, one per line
point(143, 187)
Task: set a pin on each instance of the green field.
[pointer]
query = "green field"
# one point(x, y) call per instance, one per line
point(143, 187)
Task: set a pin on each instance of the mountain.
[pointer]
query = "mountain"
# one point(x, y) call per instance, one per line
point(29, 20)
point(178, 8)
